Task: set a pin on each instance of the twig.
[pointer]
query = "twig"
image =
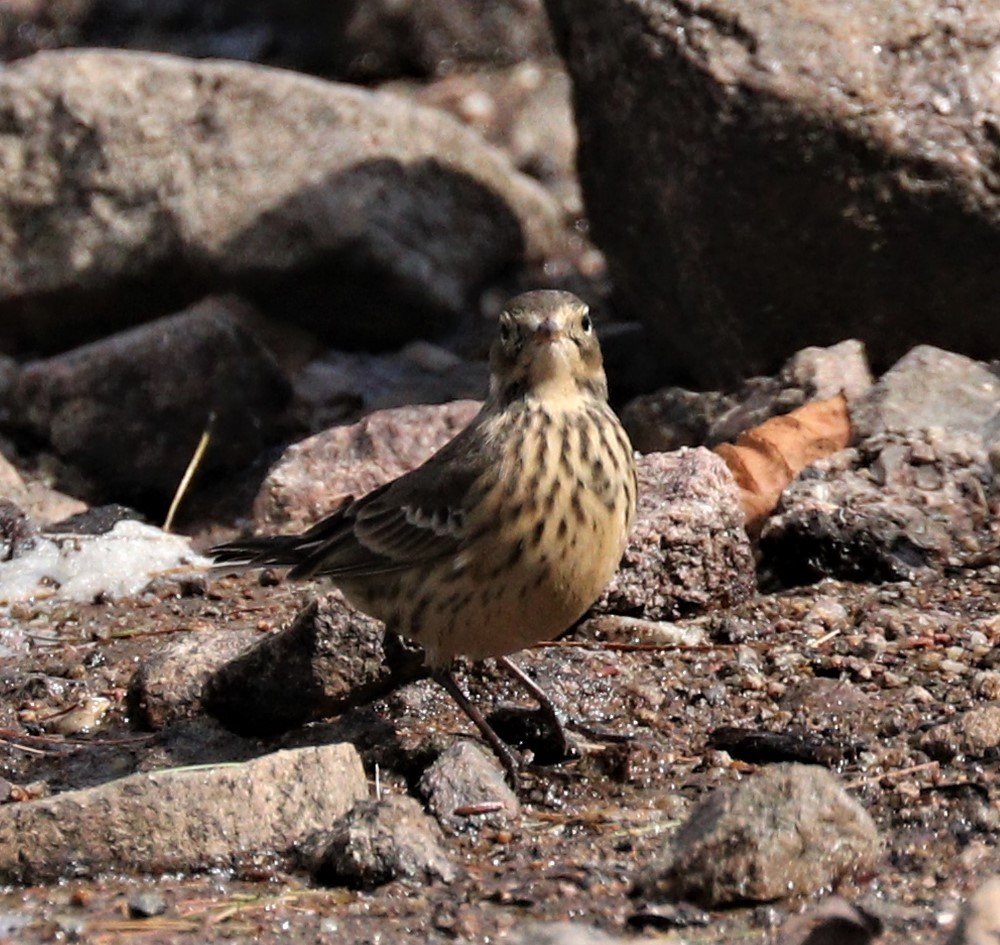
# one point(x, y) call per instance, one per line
point(861, 782)
point(192, 466)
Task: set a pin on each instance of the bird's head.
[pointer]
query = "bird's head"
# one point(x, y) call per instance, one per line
point(546, 347)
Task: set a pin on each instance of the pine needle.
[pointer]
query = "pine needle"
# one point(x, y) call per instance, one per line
point(192, 467)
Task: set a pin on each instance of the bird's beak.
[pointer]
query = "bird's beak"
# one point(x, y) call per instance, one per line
point(548, 331)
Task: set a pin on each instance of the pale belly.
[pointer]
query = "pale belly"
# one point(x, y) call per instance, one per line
point(506, 593)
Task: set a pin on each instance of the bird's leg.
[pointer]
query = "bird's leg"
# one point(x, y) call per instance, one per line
point(549, 709)
point(507, 758)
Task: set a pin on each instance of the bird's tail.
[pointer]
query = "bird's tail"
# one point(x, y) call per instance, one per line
point(266, 551)
point(297, 552)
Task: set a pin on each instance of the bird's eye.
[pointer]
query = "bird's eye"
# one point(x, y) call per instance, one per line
point(586, 324)
point(505, 332)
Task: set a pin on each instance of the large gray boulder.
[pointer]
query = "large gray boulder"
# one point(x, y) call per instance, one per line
point(767, 176)
point(134, 182)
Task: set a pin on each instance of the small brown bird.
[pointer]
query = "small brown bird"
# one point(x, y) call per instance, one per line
point(505, 536)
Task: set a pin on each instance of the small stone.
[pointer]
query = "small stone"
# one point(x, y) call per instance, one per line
point(834, 922)
point(329, 659)
point(463, 777)
point(979, 922)
point(788, 830)
point(561, 933)
point(168, 684)
point(380, 841)
point(971, 734)
point(929, 387)
point(146, 904)
point(986, 685)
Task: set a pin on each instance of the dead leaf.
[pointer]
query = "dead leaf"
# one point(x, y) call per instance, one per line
point(767, 458)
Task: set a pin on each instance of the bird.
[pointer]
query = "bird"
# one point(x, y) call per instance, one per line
point(505, 536)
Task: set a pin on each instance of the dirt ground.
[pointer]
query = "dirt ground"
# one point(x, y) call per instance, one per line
point(850, 676)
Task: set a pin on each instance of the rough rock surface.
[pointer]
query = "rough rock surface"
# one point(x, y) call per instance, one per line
point(351, 460)
point(762, 177)
point(979, 923)
point(181, 819)
point(42, 504)
point(359, 39)
point(329, 659)
point(524, 109)
point(929, 387)
point(834, 922)
point(462, 778)
point(920, 490)
point(688, 550)
point(377, 842)
point(137, 182)
point(886, 509)
point(561, 933)
point(973, 734)
point(379, 38)
point(129, 410)
point(344, 387)
point(787, 830)
point(168, 684)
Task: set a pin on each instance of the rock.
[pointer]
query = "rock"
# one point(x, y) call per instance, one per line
point(154, 179)
point(834, 922)
point(181, 819)
point(770, 176)
point(523, 109)
point(673, 417)
point(358, 39)
point(96, 520)
point(328, 660)
point(168, 684)
point(11, 483)
point(930, 388)
point(146, 903)
point(130, 410)
point(380, 38)
point(688, 550)
point(40, 503)
point(972, 734)
point(377, 842)
point(18, 534)
point(343, 387)
point(47, 506)
point(117, 564)
point(789, 830)
point(313, 474)
point(822, 373)
point(885, 510)
point(979, 923)
point(464, 779)
point(561, 933)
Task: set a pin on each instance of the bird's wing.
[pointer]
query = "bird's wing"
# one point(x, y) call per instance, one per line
point(417, 518)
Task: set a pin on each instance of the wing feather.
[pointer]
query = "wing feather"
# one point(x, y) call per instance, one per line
point(415, 519)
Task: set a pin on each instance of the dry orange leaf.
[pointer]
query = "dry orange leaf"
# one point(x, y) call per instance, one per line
point(767, 458)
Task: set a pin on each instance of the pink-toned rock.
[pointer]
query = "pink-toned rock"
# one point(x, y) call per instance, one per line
point(689, 550)
point(352, 460)
point(42, 504)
